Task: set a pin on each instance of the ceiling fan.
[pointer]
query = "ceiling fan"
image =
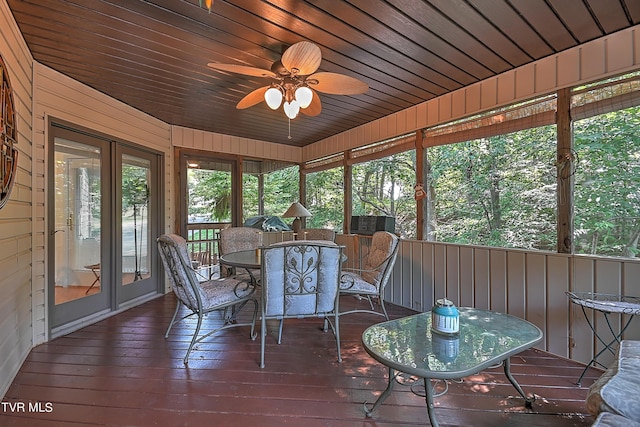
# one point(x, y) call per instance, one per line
point(295, 82)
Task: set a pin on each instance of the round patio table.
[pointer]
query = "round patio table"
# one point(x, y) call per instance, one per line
point(606, 304)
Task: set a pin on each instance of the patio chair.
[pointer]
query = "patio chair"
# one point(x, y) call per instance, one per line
point(300, 279)
point(225, 295)
point(317, 234)
point(370, 280)
point(236, 239)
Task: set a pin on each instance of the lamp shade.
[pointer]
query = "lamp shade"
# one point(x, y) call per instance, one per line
point(273, 97)
point(304, 95)
point(291, 109)
point(296, 210)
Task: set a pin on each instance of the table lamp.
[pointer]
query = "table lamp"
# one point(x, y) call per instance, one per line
point(297, 211)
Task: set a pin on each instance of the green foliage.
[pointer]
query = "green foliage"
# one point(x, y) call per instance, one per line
point(607, 184)
point(209, 194)
point(280, 190)
point(325, 199)
point(497, 191)
point(135, 189)
point(385, 187)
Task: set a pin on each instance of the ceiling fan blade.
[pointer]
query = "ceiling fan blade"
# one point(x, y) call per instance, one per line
point(338, 84)
point(253, 98)
point(242, 69)
point(315, 107)
point(302, 56)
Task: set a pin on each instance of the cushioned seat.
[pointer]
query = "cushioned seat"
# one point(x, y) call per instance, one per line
point(371, 280)
point(617, 389)
point(607, 419)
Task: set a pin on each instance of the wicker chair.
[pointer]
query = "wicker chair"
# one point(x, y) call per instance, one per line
point(370, 280)
point(317, 234)
point(236, 239)
point(226, 295)
point(300, 279)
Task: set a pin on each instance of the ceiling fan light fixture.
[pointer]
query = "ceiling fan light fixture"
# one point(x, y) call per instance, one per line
point(291, 109)
point(304, 96)
point(273, 97)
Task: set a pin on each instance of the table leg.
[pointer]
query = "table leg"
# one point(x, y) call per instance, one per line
point(528, 401)
point(428, 388)
point(383, 396)
point(607, 346)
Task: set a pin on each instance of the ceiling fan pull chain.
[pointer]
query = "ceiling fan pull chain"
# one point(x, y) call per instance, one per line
point(289, 137)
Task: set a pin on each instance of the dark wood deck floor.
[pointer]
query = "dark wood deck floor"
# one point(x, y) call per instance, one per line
point(122, 372)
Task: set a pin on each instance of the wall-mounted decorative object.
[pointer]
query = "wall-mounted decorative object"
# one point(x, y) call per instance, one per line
point(8, 135)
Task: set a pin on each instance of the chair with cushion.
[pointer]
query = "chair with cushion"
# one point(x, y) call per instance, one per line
point(370, 280)
point(226, 296)
point(300, 279)
point(317, 234)
point(236, 239)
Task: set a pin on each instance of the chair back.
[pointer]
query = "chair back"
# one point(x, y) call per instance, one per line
point(379, 262)
point(181, 276)
point(236, 239)
point(317, 234)
point(300, 279)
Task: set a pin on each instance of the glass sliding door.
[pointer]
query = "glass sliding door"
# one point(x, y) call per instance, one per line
point(77, 226)
point(139, 217)
point(104, 216)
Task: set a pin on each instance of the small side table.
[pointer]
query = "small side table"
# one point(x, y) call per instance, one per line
point(606, 304)
point(95, 269)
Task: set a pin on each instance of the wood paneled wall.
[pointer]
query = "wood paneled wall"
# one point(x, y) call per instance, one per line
point(598, 59)
point(61, 99)
point(207, 141)
point(16, 225)
point(527, 284)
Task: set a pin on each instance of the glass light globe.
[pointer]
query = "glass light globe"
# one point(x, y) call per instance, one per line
point(273, 97)
point(291, 109)
point(304, 95)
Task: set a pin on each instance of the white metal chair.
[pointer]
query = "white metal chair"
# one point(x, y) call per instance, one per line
point(225, 295)
point(236, 239)
point(370, 280)
point(300, 279)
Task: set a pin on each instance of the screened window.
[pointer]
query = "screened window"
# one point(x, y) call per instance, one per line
point(495, 191)
point(607, 184)
point(385, 187)
point(325, 198)
point(606, 130)
point(280, 190)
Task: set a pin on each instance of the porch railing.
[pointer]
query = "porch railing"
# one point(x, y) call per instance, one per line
point(203, 241)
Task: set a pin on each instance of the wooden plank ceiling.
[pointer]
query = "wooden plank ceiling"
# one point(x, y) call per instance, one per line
point(153, 54)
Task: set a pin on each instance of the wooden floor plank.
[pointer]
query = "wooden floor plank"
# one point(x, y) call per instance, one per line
point(122, 372)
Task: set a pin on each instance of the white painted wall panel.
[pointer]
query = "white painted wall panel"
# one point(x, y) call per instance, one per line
point(200, 140)
point(618, 47)
point(16, 225)
point(558, 281)
point(592, 59)
point(536, 289)
point(498, 280)
point(506, 88)
point(472, 98)
point(525, 81)
point(516, 298)
point(58, 97)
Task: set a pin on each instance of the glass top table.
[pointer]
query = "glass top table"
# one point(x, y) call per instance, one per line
point(249, 260)
point(606, 304)
point(486, 338)
point(244, 259)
